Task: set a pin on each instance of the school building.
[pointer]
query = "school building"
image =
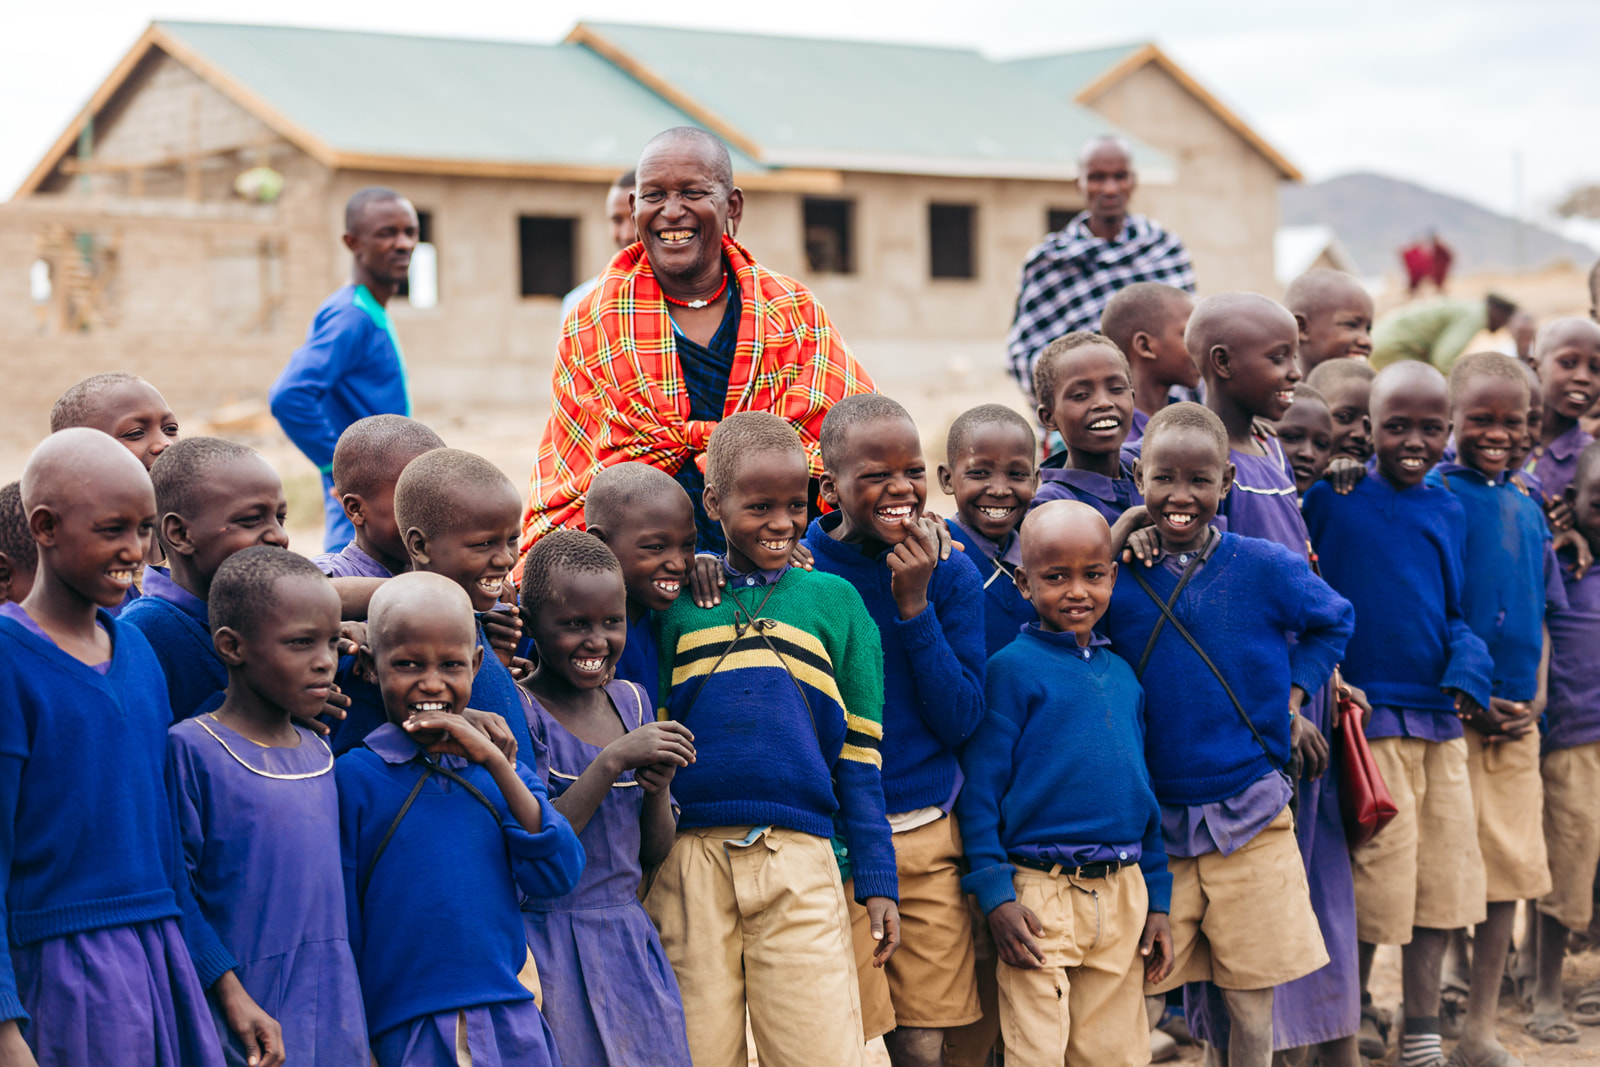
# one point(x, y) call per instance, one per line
point(186, 224)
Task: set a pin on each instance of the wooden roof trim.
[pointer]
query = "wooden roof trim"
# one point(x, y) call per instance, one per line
point(583, 35)
point(802, 180)
point(154, 37)
point(1150, 53)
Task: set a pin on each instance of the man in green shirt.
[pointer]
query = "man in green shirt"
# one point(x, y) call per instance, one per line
point(1436, 331)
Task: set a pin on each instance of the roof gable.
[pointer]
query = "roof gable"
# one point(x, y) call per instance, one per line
point(866, 105)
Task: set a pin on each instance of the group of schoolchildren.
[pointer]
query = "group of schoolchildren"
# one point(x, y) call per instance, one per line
point(977, 785)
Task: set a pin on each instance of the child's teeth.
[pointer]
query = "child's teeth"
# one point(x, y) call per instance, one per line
point(430, 705)
point(668, 587)
point(899, 511)
point(1105, 424)
point(590, 665)
point(775, 546)
point(1411, 463)
point(1180, 520)
point(1577, 397)
point(996, 513)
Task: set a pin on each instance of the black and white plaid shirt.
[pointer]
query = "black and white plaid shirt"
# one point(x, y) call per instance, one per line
point(1071, 275)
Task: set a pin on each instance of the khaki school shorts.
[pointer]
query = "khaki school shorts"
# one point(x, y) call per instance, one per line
point(1425, 868)
point(1244, 921)
point(931, 981)
point(1572, 832)
point(1508, 797)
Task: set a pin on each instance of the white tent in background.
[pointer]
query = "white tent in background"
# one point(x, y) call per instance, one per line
point(1297, 249)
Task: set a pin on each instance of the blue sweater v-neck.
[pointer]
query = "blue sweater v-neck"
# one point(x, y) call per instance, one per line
point(178, 627)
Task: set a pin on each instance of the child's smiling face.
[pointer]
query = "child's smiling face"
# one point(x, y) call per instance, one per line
point(1569, 366)
point(1091, 400)
point(994, 479)
point(1348, 401)
point(1259, 361)
point(425, 664)
point(478, 549)
point(1183, 474)
point(139, 418)
point(1490, 415)
point(655, 543)
point(879, 481)
point(247, 507)
point(581, 627)
point(1306, 434)
point(763, 513)
point(1067, 570)
point(1341, 330)
point(1413, 427)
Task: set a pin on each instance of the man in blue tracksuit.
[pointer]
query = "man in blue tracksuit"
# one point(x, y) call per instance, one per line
point(350, 365)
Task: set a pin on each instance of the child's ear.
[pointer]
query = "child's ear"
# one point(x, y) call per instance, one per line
point(713, 503)
point(1138, 475)
point(1043, 413)
point(598, 533)
point(1141, 346)
point(1304, 325)
point(1019, 577)
point(477, 659)
point(42, 524)
point(175, 535)
point(1218, 359)
point(417, 547)
point(352, 505)
point(1227, 480)
point(366, 661)
point(947, 479)
point(828, 487)
point(229, 646)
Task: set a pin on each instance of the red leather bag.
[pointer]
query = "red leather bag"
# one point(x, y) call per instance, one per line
point(1364, 799)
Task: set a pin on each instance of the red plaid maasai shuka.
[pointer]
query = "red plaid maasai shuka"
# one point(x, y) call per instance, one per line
point(618, 393)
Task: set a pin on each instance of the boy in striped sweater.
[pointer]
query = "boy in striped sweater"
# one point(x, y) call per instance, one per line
point(782, 684)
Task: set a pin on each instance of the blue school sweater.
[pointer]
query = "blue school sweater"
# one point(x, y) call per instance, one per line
point(640, 662)
point(932, 667)
point(493, 689)
point(1243, 604)
point(1005, 610)
point(87, 837)
point(786, 721)
point(1058, 761)
point(1396, 555)
point(178, 627)
point(348, 367)
point(1503, 599)
point(440, 928)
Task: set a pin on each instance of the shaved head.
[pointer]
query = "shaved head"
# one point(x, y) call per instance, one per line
point(1561, 333)
point(1410, 378)
point(1103, 142)
point(1227, 319)
point(625, 490)
point(419, 595)
point(77, 466)
point(1320, 291)
point(1063, 522)
point(713, 153)
point(356, 207)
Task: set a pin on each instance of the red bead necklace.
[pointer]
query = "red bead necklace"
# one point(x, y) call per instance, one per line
point(699, 303)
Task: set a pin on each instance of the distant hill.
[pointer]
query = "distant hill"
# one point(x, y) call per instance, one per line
point(1374, 217)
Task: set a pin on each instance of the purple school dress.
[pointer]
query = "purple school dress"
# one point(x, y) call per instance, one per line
point(260, 831)
point(609, 994)
point(1325, 1004)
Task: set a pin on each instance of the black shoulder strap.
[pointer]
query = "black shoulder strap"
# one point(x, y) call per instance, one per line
point(1168, 616)
point(428, 768)
point(1166, 611)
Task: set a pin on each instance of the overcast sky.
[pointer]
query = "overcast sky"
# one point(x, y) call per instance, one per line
point(1447, 94)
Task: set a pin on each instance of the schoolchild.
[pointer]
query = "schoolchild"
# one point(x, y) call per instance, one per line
point(1245, 345)
point(1073, 878)
point(1345, 384)
point(131, 411)
point(1505, 600)
point(98, 911)
point(1085, 392)
point(1333, 312)
point(459, 516)
point(1219, 738)
point(1568, 355)
point(1526, 454)
point(1305, 434)
point(213, 498)
point(990, 471)
point(609, 993)
point(782, 685)
point(367, 463)
point(1146, 321)
point(1393, 547)
point(433, 815)
point(258, 813)
point(645, 517)
point(19, 556)
point(930, 618)
point(1570, 767)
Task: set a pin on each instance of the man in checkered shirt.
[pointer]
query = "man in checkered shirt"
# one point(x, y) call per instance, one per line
point(1069, 278)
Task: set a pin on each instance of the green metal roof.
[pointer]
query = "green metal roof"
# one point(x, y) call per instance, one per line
point(872, 106)
point(493, 101)
point(1068, 73)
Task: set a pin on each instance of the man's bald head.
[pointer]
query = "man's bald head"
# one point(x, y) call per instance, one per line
point(1409, 378)
point(420, 598)
point(708, 146)
point(79, 466)
point(1230, 319)
point(1064, 526)
point(1571, 332)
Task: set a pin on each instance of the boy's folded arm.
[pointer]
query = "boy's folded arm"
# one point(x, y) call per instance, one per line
point(945, 645)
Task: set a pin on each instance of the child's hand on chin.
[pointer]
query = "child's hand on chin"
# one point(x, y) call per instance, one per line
point(452, 735)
